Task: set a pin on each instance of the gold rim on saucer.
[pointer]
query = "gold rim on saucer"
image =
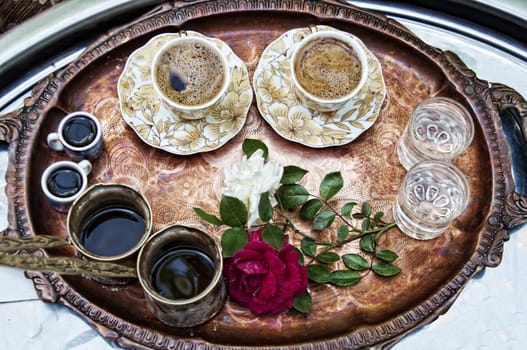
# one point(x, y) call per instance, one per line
point(280, 107)
point(144, 112)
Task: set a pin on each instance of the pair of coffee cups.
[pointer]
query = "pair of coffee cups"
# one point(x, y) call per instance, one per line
point(179, 267)
point(190, 74)
point(79, 135)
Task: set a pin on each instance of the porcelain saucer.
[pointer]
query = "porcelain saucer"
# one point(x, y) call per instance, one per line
point(279, 106)
point(144, 112)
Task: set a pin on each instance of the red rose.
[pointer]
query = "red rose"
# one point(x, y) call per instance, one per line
point(263, 279)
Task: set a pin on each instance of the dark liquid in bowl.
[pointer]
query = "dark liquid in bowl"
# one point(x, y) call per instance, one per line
point(182, 273)
point(64, 182)
point(112, 231)
point(79, 131)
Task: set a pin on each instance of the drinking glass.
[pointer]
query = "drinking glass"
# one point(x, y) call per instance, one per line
point(439, 128)
point(432, 195)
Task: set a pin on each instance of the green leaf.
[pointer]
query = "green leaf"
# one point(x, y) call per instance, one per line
point(366, 209)
point(367, 243)
point(344, 278)
point(303, 303)
point(331, 184)
point(211, 219)
point(343, 232)
point(386, 255)
point(347, 208)
point(292, 174)
point(310, 208)
point(318, 273)
point(328, 257)
point(385, 269)
point(292, 196)
point(250, 146)
point(365, 224)
point(274, 236)
point(265, 209)
point(308, 246)
point(233, 240)
point(378, 215)
point(233, 211)
point(300, 257)
point(355, 262)
point(323, 220)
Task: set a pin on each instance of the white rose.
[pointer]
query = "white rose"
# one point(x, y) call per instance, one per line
point(250, 179)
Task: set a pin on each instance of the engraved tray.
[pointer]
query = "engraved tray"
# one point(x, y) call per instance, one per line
point(373, 313)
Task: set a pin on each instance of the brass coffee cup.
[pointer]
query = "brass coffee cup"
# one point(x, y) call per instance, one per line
point(110, 223)
point(180, 270)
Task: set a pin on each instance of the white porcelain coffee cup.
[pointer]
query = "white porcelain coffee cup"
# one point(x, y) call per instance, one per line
point(190, 74)
point(70, 179)
point(86, 142)
point(328, 68)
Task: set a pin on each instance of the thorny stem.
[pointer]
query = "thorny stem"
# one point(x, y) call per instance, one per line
point(330, 245)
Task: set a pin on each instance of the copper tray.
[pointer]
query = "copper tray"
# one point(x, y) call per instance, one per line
point(376, 312)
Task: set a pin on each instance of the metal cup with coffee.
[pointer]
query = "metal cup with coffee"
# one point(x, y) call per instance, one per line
point(180, 270)
point(110, 223)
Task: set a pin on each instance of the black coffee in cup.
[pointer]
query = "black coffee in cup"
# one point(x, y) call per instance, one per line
point(64, 182)
point(112, 230)
point(79, 131)
point(182, 273)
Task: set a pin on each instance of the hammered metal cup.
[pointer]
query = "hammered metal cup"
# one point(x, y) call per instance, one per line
point(182, 312)
point(95, 199)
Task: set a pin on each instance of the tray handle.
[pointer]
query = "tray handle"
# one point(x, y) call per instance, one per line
point(512, 109)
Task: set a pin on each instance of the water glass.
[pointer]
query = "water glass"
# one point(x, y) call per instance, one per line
point(432, 195)
point(439, 128)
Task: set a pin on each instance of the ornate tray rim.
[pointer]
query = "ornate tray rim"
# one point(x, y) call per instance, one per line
point(508, 208)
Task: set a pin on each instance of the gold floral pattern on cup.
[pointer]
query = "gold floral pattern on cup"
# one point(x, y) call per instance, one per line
point(166, 129)
point(290, 118)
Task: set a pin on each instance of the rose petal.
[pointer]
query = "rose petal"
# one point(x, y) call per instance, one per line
point(268, 289)
point(252, 267)
point(286, 304)
point(251, 284)
point(256, 235)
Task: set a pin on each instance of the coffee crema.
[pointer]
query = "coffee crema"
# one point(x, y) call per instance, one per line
point(328, 68)
point(190, 73)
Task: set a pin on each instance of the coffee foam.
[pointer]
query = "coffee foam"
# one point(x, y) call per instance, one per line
point(328, 68)
point(198, 66)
